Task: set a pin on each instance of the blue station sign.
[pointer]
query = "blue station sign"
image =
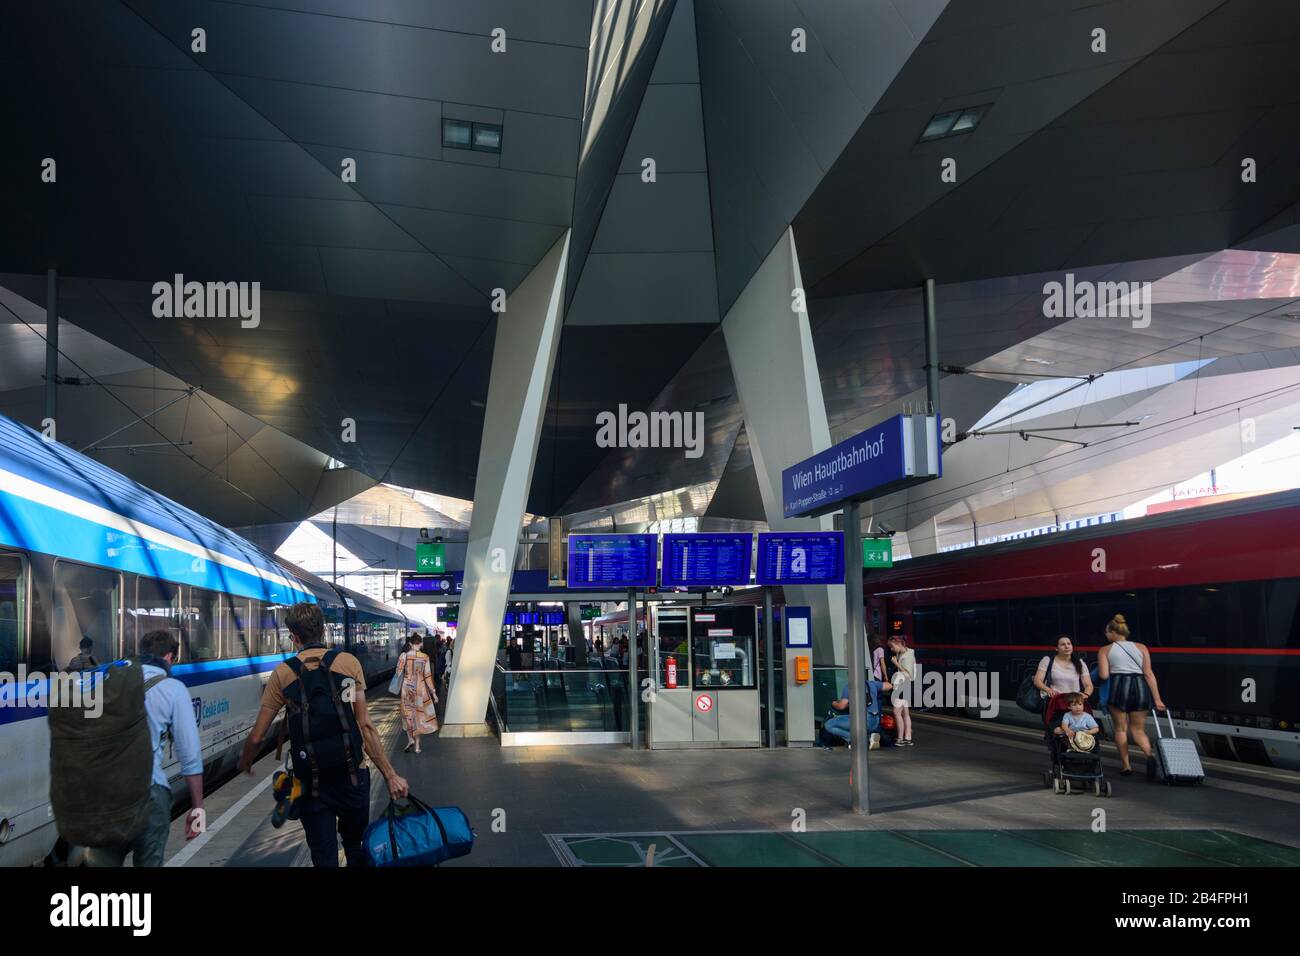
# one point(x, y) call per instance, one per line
point(894, 454)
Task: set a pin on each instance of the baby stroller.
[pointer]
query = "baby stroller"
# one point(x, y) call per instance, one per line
point(1072, 770)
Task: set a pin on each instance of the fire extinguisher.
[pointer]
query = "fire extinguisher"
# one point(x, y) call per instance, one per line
point(672, 673)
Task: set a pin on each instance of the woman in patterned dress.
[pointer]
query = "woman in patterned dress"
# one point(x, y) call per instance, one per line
point(418, 694)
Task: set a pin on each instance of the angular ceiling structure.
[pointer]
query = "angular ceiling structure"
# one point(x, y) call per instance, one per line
point(678, 140)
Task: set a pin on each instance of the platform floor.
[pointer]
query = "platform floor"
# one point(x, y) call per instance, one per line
point(967, 794)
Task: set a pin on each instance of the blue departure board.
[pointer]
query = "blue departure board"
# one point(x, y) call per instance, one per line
point(707, 560)
point(613, 560)
point(545, 618)
point(807, 557)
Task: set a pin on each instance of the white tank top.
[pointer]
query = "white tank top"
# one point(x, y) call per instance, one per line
point(1125, 658)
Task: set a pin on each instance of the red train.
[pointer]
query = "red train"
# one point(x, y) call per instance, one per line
point(1213, 591)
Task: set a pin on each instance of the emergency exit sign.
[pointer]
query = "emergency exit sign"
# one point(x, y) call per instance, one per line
point(430, 557)
point(877, 552)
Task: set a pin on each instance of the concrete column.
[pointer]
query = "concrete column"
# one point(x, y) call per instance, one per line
point(528, 334)
point(770, 346)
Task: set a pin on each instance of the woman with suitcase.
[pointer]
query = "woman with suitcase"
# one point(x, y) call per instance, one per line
point(1133, 689)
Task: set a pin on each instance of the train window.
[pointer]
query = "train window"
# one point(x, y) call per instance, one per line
point(13, 617)
point(157, 607)
point(929, 625)
point(235, 618)
point(982, 623)
point(270, 629)
point(1092, 612)
point(1202, 615)
point(1037, 621)
point(87, 604)
point(333, 636)
point(201, 630)
point(1282, 613)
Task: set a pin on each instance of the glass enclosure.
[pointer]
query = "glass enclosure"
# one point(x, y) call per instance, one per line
point(723, 660)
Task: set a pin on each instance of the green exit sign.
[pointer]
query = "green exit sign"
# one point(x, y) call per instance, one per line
point(430, 557)
point(877, 552)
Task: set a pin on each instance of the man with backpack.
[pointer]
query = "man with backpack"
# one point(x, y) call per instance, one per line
point(330, 733)
point(170, 716)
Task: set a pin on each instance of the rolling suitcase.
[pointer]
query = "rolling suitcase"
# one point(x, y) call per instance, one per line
point(1179, 761)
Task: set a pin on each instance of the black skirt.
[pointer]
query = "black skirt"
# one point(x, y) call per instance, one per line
point(1129, 693)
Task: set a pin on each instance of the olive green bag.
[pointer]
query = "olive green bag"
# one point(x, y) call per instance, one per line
point(101, 767)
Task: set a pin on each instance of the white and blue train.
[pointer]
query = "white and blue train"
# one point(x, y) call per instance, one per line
point(86, 552)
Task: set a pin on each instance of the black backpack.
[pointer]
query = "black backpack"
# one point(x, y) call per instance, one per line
point(101, 768)
point(323, 732)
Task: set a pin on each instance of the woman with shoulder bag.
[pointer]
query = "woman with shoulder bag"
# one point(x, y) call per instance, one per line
point(1133, 689)
point(419, 698)
point(1062, 672)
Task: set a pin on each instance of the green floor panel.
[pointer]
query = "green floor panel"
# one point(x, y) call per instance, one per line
point(995, 848)
point(1114, 848)
point(1225, 846)
point(600, 850)
point(890, 848)
point(747, 849)
point(873, 848)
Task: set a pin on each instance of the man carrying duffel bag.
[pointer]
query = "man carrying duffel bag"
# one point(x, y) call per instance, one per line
point(418, 835)
point(330, 731)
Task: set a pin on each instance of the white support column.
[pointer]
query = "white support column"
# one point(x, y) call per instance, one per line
point(770, 346)
point(528, 334)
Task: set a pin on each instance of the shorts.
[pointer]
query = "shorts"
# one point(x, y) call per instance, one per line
point(1129, 693)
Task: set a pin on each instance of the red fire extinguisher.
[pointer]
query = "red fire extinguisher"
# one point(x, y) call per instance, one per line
point(672, 673)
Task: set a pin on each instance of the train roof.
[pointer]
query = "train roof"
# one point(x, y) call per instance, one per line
point(1240, 507)
point(51, 497)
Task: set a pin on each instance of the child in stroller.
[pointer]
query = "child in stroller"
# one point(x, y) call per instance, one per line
point(1072, 735)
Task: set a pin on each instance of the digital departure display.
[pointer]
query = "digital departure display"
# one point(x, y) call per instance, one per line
point(613, 560)
point(707, 560)
point(544, 618)
point(808, 557)
point(432, 584)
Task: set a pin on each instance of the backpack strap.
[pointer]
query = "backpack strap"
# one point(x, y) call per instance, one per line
point(326, 662)
point(295, 665)
point(153, 682)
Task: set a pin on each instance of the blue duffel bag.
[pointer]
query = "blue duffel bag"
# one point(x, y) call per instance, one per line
point(418, 835)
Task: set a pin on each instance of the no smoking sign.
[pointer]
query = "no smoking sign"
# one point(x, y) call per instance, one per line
point(704, 703)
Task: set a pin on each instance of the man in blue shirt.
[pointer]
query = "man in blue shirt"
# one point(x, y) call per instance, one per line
point(171, 715)
point(839, 726)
